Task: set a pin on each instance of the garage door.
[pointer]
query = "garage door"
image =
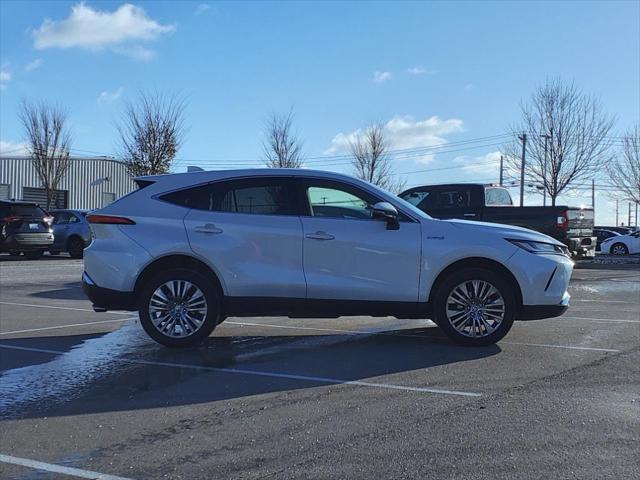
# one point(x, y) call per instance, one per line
point(39, 196)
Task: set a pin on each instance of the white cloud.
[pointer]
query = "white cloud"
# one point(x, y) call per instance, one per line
point(13, 148)
point(5, 77)
point(416, 71)
point(403, 132)
point(381, 77)
point(201, 8)
point(37, 63)
point(108, 97)
point(96, 30)
point(487, 163)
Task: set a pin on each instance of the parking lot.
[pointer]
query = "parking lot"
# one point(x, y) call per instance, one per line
point(85, 394)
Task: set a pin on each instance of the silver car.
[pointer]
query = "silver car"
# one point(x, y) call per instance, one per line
point(71, 232)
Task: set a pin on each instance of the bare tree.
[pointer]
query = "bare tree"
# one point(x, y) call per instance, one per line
point(48, 142)
point(281, 147)
point(151, 132)
point(371, 159)
point(624, 171)
point(567, 137)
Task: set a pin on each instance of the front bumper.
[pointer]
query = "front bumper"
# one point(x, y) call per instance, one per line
point(104, 299)
point(538, 312)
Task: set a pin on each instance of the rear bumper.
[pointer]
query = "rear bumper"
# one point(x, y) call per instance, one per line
point(104, 299)
point(582, 246)
point(538, 312)
point(25, 242)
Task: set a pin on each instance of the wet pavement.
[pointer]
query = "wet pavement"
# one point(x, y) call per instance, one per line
point(315, 398)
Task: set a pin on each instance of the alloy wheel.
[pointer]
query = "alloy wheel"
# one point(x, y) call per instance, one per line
point(177, 308)
point(475, 308)
point(619, 249)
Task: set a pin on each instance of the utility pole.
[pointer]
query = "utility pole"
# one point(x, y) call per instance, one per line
point(616, 212)
point(544, 169)
point(636, 214)
point(501, 166)
point(629, 216)
point(522, 137)
point(593, 193)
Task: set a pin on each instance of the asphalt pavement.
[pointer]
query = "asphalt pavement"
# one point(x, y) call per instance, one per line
point(88, 395)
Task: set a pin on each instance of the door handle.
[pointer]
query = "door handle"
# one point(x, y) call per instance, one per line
point(320, 236)
point(469, 214)
point(208, 228)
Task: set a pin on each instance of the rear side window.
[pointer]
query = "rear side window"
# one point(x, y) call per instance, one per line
point(261, 196)
point(454, 198)
point(497, 197)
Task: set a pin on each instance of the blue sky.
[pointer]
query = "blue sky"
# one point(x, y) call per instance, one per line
point(435, 72)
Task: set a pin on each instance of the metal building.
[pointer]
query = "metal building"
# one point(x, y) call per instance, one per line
point(89, 183)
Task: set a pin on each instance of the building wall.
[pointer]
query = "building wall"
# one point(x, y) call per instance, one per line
point(89, 181)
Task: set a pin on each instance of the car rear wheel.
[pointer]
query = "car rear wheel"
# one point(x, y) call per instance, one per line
point(619, 249)
point(179, 308)
point(34, 254)
point(475, 307)
point(75, 247)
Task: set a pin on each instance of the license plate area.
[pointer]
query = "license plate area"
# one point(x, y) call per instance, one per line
point(34, 226)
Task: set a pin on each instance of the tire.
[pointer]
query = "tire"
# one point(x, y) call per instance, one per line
point(477, 320)
point(173, 332)
point(34, 254)
point(619, 249)
point(75, 247)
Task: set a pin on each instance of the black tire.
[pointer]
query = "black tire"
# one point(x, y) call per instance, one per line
point(34, 254)
point(619, 249)
point(456, 279)
point(211, 318)
point(75, 247)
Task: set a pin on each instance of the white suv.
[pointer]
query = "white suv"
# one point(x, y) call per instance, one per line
point(188, 250)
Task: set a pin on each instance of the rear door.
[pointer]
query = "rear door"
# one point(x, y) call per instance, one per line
point(249, 231)
point(348, 255)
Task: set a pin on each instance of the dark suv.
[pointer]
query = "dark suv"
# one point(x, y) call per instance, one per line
point(24, 227)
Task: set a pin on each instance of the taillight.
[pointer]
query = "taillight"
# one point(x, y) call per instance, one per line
point(563, 220)
point(10, 219)
point(48, 220)
point(109, 220)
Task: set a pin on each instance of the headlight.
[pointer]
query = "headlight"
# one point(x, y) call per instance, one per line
point(541, 247)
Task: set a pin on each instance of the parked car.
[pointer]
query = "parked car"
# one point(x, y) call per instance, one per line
point(602, 234)
point(72, 232)
point(620, 230)
point(622, 244)
point(187, 250)
point(572, 226)
point(24, 228)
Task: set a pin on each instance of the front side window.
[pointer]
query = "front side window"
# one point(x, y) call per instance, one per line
point(61, 218)
point(337, 203)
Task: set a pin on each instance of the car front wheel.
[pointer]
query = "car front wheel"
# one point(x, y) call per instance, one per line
point(475, 307)
point(179, 308)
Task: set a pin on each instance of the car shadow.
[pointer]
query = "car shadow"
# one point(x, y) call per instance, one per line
point(71, 291)
point(5, 257)
point(124, 370)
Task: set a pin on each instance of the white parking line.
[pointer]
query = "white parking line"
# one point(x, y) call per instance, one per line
point(258, 373)
point(613, 320)
point(67, 326)
point(545, 345)
point(59, 308)
point(394, 334)
point(604, 301)
point(50, 467)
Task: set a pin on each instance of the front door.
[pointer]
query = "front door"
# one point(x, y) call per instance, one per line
point(348, 255)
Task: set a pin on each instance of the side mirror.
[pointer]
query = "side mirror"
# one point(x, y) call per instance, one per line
point(386, 211)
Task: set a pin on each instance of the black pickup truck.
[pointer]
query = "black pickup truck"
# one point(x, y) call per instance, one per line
point(573, 226)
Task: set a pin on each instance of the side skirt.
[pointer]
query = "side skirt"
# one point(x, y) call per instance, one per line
point(320, 308)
